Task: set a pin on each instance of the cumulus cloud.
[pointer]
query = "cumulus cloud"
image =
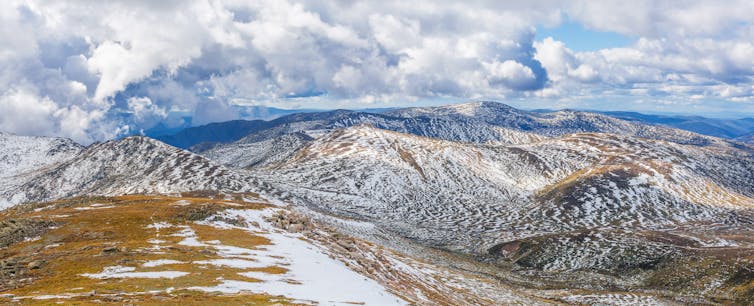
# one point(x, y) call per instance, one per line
point(25, 112)
point(92, 70)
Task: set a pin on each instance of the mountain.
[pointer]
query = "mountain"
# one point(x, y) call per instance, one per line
point(214, 132)
point(244, 154)
point(628, 207)
point(586, 180)
point(724, 128)
point(748, 138)
point(20, 154)
point(132, 165)
point(477, 122)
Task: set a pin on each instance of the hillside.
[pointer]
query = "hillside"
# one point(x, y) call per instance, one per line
point(20, 154)
point(131, 165)
point(210, 250)
point(476, 122)
point(724, 128)
point(581, 203)
point(748, 138)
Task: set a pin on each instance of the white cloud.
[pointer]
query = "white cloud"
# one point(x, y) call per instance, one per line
point(145, 112)
point(511, 73)
point(81, 63)
point(26, 113)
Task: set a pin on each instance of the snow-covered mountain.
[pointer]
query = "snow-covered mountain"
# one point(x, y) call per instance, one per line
point(575, 181)
point(249, 153)
point(585, 202)
point(476, 122)
point(131, 165)
point(20, 154)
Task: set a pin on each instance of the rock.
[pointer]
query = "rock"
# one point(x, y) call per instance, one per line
point(206, 252)
point(35, 264)
point(109, 250)
point(124, 261)
point(296, 227)
point(346, 244)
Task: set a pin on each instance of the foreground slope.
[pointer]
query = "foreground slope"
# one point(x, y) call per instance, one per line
point(220, 250)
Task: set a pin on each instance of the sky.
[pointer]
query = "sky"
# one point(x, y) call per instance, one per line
point(95, 70)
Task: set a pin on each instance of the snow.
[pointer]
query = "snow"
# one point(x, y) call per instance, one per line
point(231, 262)
point(312, 276)
point(181, 203)
point(160, 262)
point(189, 237)
point(128, 272)
point(93, 207)
point(133, 165)
point(21, 154)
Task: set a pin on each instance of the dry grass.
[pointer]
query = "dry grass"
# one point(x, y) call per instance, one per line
point(90, 238)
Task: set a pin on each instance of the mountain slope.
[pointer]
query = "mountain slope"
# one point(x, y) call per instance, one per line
point(214, 132)
point(748, 138)
point(551, 124)
point(258, 154)
point(477, 122)
point(724, 128)
point(131, 165)
point(579, 203)
point(20, 154)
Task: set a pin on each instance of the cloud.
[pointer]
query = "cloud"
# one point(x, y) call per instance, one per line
point(91, 70)
point(26, 113)
point(145, 113)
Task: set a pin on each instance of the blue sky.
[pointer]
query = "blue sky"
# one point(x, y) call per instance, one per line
point(94, 70)
point(580, 39)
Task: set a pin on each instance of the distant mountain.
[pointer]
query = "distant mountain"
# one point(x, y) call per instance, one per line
point(748, 138)
point(259, 112)
point(214, 132)
point(724, 128)
point(490, 120)
point(477, 122)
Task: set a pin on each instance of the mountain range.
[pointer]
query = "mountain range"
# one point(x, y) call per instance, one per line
point(224, 132)
point(724, 128)
point(564, 199)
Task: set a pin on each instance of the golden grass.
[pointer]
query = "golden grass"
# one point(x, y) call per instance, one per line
point(83, 236)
